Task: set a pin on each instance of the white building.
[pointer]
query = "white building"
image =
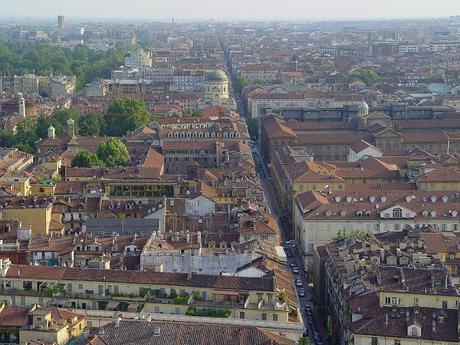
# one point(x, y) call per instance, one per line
point(139, 58)
point(361, 150)
point(319, 218)
point(199, 206)
point(216, 88)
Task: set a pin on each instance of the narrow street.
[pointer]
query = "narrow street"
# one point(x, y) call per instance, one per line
point(293, 258)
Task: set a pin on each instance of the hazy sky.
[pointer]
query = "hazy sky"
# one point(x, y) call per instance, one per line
point(244, 9)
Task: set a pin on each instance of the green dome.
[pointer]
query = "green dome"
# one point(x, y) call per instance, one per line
point(217, 75)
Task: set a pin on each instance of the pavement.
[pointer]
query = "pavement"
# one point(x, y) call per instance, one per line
point(311, 318)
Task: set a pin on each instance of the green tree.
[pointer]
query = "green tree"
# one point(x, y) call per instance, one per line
point(25, 136)
point(89, 124)
point(240, 83)
point(6, 138)
point(113, 153)
point(19, 57)
point(85, 159)
point(61, 117)
point(125, 114)
point(369, 77)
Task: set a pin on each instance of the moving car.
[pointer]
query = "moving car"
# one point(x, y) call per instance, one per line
point(301, 292)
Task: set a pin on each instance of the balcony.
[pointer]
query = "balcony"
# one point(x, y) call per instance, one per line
point(18, 292)
point(217, 304)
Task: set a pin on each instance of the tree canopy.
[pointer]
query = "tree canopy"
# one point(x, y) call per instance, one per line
point(25, 136)
point(89, 124)
point(20, 57)
point(58, 120)
point(122, 116)
point(125, 114)
point(240, 83)
point(113, 153)
point(368, 77)
point(85, 159)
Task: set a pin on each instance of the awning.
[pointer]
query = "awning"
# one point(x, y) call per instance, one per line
point(112, 305)
point(132, 307)
point(225, 292)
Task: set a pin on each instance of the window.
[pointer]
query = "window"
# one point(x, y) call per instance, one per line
point(387, 300)
point(415, 301)
point(444, 305)
point(414, 332)
point(241, 314)
point(264, 316)
point(397, 213)
point(397, 342)
point(374, 341)
point(394, 300)
point(275, 317)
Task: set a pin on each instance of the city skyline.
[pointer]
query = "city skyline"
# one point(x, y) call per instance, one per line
point(238, 9)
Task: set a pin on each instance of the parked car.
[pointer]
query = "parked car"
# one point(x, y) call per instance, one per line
point(298, 282)
point(293, 264)
point(295, 270)
point(301, 292)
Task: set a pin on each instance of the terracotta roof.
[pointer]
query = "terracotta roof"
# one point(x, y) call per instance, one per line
point(152, 278)
point(440, 174)
point(12, 316)
point(308, 171)
point(276, 128)
point(357, 204)
point(153, 159)
point(375, 323)
point(361, 145)
point(179, 333)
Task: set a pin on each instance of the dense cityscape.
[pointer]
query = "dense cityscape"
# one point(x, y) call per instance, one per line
point(230, 182)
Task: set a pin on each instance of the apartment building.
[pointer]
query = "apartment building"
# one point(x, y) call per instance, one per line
point(387, 289)
point(264, 298)
point(320, 217)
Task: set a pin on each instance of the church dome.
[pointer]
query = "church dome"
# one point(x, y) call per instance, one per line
point(217, 75)
point(363, 106)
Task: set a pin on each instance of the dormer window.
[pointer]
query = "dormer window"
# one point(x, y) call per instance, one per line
point(397, 213)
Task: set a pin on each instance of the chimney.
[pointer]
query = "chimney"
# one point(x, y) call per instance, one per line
point(117, 321)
